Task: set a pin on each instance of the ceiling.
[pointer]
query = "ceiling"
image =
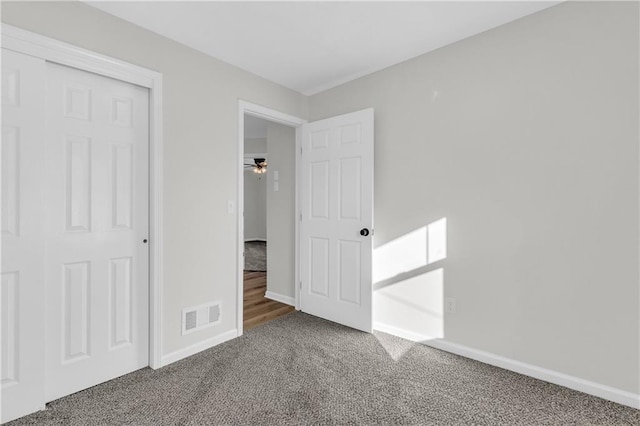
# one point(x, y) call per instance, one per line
point(313, 46)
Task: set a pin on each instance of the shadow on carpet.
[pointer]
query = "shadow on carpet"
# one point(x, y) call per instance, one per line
point(299, 369)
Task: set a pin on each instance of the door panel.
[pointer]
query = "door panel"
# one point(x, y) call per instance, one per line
point(96, 190)
point(337, 202)
point(21, 302)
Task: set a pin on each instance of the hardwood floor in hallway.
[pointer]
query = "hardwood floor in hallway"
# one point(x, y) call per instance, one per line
point(257, 308)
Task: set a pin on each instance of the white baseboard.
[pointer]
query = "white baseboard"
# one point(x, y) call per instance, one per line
point(287, 300)
point(409, 335)
point(592, 388)
point(198, 347)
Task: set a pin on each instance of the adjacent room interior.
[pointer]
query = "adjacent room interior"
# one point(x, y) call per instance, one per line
point(320, 212)
point(269, 196)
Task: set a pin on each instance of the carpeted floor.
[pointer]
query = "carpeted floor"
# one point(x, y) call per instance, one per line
point(255, 256)
point(299, 369)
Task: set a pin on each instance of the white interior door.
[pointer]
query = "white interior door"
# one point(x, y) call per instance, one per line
point(22, 304)
point(97, 198)
point(337, 218)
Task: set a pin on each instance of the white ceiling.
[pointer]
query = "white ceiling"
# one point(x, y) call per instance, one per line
point(313, 46)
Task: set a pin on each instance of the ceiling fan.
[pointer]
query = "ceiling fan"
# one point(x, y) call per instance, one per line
point(259, 166)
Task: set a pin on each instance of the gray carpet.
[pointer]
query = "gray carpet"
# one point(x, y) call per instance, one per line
point(255, 256)
point(299, 369)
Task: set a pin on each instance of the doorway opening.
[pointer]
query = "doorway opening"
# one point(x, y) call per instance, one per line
point(267, 212)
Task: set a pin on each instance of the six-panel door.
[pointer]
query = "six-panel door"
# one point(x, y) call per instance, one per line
point(337, 203)
point(21, 298)
point(96, 202)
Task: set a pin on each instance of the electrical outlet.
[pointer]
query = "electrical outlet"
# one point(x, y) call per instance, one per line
point(450, 305)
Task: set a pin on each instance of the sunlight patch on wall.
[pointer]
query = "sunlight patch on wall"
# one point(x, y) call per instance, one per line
point(409, 298)
point(412, 308)
point(437, 240)
point(411, 251)
point(403, 254)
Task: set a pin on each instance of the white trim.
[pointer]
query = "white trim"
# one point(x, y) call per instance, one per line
point(240, 224)
point(156, 239)
point(287, 300)
point(592, 388)
point(33, 44)
point(51, 50)
point(298, 216)
point(408, 335)
point(246, 240)
point(183, 353)
point(269, 114)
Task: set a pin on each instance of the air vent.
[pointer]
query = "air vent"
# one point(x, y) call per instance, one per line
point(200, 317)
point(191, 320)
point(214, 313)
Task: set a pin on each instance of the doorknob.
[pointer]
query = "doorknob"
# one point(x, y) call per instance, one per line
point(364, 232)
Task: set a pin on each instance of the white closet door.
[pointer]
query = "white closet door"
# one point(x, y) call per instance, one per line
point(97, 197)
point(22, 305)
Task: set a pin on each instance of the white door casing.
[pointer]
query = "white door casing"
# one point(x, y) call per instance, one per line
point(96, 229)
point(21, 304)
point(336, 204)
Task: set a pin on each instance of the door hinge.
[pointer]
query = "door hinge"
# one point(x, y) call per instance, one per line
point(300, 217)
point(300, 284)
point(301, 150)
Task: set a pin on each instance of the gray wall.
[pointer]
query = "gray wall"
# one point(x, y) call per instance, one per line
point(255, 206)
point(281, 210)
point(200, 150)
point(255, 194)
point(525, 138)
point(255, 145)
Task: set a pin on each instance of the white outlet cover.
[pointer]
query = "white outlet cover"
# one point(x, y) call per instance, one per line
point(450, 305)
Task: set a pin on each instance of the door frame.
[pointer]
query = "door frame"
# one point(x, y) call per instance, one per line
point(55, 51)
point(275, 116)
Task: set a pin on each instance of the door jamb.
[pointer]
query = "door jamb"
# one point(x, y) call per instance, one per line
point(55, 51)
point(272, 115)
